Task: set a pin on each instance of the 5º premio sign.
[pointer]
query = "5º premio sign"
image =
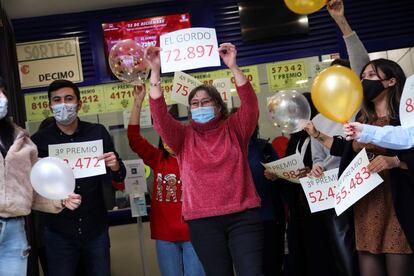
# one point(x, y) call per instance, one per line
point(41, 62)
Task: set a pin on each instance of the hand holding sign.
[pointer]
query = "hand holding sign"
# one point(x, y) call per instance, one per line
point(152, 57)
point(228, 54)
point(110, 161)
point(189, 49)
point(355, 182)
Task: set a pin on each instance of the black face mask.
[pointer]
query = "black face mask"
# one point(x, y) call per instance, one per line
point(372, 89)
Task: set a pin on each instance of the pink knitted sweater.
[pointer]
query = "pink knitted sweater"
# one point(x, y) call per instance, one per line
point(213, 157)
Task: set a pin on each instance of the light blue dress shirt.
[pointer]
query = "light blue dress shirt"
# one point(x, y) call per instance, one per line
point(391, 137)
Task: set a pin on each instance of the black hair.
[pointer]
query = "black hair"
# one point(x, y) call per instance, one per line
point(58, 84)
point(7, 128)
point(313, 109)
point(3, 83)
point(342, 62)
point(214, 95)
point(174, 112)
point(391, 69)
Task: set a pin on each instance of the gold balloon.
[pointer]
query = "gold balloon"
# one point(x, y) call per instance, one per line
point(337, 93)
point(305, 6)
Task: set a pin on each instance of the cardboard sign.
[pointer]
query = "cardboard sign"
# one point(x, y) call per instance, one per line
point(82, 157)
point(189, 49)
point(407, 104)
point(182, 86)
point(223, 86)
point(355, 182)
point(320, 192)
point(287, 168)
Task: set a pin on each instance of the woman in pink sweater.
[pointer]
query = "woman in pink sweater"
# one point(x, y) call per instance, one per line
point(220, 201)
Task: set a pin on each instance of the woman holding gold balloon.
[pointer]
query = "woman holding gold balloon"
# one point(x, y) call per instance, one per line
point(383, 228)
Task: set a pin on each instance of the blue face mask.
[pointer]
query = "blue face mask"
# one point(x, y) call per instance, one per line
point(202, 114)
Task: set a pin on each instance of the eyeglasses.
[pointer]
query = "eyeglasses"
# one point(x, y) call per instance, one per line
point(202, 102)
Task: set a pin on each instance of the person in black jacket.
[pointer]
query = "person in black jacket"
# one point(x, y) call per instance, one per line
point(272, 206)
point(82, 234)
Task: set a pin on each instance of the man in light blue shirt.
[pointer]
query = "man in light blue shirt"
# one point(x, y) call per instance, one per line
point(391, 137)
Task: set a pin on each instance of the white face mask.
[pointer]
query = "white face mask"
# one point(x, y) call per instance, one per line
point(65, 114)
point(3, 107)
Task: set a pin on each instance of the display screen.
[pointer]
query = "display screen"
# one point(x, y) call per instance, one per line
point(267, 20)
point(145, 31)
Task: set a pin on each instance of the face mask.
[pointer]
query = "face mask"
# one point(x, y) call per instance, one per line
point(203, 114)
point(372, 89)
point(64, 114)
point(3, 107)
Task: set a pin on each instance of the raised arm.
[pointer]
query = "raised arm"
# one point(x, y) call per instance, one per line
point(391, 137)
point(316, 134)
point(228, 54)
point(139, 95)
point(358, 55)
point(170, 130)
point(245, 118)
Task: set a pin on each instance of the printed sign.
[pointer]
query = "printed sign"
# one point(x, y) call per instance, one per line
point(37, 106)
point(251, 73)
point(223, 86)
point(92, 98)
point(41, 62)
point(407, 104)
point(182, 86)
point(320, 192)
point(118, 97)
point(82, 157)
point(287, 168)
point(135, 179)
point(138, 205)
point(355, 182)
point(286, 75)
point(189, 49)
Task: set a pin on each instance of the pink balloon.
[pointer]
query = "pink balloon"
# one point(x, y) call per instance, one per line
point(126, 60)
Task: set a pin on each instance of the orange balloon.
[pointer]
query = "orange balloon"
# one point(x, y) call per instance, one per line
point(337, 93)
point(305, 6)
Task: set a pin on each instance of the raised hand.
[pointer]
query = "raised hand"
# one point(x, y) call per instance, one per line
point(228, 53)
point(353, 130)
point(310, 129)
point(152, 56)
point(139, 94)
point(336, 8)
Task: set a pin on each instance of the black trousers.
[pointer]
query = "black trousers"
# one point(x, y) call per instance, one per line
point(223, 241)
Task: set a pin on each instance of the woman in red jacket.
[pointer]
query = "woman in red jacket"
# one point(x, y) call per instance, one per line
point(175, 253)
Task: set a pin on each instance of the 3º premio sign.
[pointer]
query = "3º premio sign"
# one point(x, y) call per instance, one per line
point(41, 62)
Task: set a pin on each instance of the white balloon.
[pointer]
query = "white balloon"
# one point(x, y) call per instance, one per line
point(52, 178)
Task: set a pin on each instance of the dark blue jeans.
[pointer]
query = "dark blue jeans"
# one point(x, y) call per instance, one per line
point(63, 254)
point(223, 241)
